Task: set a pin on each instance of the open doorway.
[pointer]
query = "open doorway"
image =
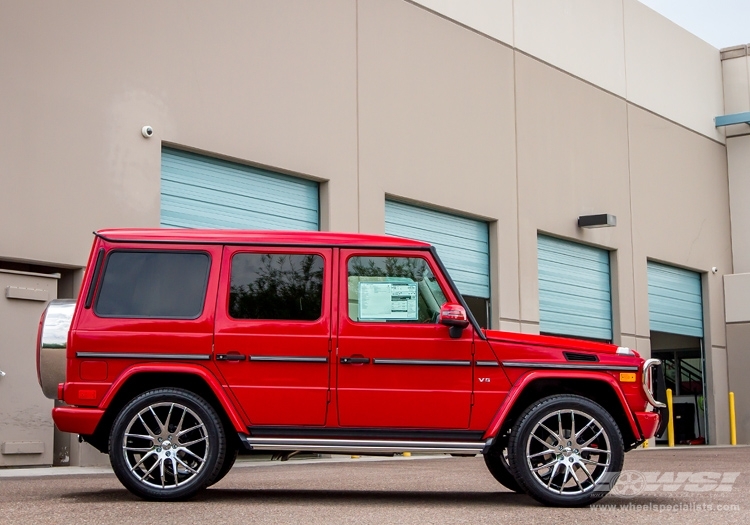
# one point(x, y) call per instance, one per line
point(480, 307)
point(684, 372)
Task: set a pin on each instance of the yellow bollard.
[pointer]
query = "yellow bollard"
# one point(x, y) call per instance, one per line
point(732, 421)
point(670, 424)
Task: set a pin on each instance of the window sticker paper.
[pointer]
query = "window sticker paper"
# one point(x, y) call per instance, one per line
point(387, 301)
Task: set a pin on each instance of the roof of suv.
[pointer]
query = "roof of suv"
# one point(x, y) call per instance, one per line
point(171, 235)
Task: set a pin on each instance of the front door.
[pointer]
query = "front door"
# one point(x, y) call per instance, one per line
point(397, 367)
point(273, 330)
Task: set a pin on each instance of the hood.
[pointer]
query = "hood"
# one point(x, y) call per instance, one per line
point(561, 343)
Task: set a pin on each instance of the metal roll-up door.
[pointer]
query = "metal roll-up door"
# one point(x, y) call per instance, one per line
point(462, 244)
point(202, 192)
point(575, 295)
point(675, 303)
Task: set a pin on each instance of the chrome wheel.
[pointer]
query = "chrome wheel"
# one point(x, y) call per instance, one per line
point(165, 445)
point(569, 452)
point(566, 450)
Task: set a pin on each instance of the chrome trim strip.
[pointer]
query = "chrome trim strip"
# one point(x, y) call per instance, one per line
point(430, 362)
point(287, 359)
point(647, 365)
point(487, 363)
point(364, 445)
point(568, 366)
point(127, 355)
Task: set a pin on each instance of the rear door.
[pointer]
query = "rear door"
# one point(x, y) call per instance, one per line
point(273, 330)
point(397, 367)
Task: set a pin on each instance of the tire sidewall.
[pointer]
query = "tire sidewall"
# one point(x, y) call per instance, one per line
point(214, 429)
point(520, 435)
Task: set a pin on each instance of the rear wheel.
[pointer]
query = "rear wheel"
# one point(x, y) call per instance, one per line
point(566, 451)
point(229, 458)
point(167, 444)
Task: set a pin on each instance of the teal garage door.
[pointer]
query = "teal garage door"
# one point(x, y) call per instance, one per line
point(202, 192)
point(575, 296)
point(675, 303)
point(462, 244)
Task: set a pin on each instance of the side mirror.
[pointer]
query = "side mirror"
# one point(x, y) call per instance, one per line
point(454, 317)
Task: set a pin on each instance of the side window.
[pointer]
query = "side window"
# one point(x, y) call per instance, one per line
point(393, 290)
point(276, 286)
point(161, 285)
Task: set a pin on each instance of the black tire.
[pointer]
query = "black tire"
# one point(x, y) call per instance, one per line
point(166, 444)
point(555, 436)
point(229, 458)
point(497, 463)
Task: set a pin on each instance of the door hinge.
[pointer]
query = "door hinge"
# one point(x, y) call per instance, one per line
point(472, 399)
point(328, 396)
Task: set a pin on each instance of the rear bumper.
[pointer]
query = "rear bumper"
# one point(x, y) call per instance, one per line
point(77, 420)
point(651, 423)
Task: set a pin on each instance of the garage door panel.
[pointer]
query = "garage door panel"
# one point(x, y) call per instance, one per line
point(461, 243)
point(202, 192)
point(675, 301)
point(574, 289)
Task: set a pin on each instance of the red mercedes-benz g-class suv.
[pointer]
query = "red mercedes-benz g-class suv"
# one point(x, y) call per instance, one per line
point(189, 346)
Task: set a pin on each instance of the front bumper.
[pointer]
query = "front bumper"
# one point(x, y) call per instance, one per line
point(652, 423)
point(77, 420)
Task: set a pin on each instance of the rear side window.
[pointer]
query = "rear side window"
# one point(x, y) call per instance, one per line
point(276, 286)
point(166, 285)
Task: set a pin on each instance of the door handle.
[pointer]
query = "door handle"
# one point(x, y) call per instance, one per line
point(355, 360)
point(230, 357)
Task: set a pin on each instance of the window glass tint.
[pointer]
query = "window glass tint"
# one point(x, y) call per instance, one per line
point(153, 284)
point(276, 286)
point(393, 290)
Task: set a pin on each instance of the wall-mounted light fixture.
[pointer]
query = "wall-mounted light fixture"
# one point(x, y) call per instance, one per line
point(597, 221)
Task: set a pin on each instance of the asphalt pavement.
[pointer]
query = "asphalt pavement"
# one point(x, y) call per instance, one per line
point(695, 485)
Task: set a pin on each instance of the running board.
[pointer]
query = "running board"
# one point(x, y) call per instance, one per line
point(365, 446)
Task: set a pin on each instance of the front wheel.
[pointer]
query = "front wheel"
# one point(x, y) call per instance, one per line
point(566, 451)
point(167, 444)
point(497, 463)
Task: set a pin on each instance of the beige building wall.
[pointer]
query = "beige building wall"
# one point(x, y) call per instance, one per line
point(437, 126)
point(572, 160)
point(621, 46)
point(254, 81)
point(680, 192)
point(382, 99)
point(736, 69)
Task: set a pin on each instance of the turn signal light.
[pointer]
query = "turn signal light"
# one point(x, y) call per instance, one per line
point(627, 377)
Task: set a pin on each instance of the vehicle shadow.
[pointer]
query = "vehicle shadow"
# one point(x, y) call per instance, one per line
point(311, 496)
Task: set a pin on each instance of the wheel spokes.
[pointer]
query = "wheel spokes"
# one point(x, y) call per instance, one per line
point(553, 465)
point(162, 454)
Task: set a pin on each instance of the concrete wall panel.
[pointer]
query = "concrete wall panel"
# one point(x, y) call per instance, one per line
point(738, 363)
point(738, 163)
point(255, 81)
point(572, 161)
point(491, 17)
point(437, 124)
point(680, 203)
point(582, 37)
point(671, 71)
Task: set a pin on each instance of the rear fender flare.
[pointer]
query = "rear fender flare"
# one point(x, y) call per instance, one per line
point(185, 369)
point(519, 386)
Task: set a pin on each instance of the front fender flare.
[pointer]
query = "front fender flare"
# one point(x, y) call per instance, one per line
point(519, 386)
